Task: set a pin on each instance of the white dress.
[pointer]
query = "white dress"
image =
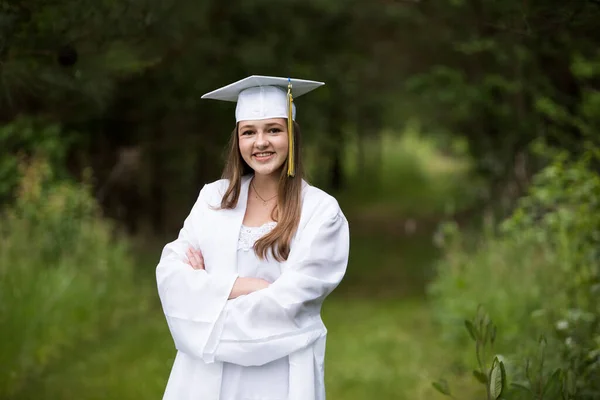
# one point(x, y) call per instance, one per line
point(268, 381)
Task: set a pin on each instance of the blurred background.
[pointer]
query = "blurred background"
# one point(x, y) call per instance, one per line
point(461, 138)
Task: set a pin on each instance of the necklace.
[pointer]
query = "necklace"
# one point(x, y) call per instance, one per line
point(256, 192)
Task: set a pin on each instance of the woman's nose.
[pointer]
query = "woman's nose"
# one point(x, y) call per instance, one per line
point(261, 140)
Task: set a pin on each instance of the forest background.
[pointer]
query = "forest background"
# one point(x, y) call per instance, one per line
point(461, 137)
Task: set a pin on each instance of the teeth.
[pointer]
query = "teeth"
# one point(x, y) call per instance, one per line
point(263, 154)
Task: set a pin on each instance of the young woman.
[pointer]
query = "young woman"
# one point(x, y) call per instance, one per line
point(243, 284)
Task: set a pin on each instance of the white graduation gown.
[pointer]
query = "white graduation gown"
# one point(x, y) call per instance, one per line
point(260, 382)
point(267, 325)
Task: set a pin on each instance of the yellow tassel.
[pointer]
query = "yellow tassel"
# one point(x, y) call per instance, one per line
point(291, 171)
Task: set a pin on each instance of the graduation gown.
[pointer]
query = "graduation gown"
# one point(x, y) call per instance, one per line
point(281, 320)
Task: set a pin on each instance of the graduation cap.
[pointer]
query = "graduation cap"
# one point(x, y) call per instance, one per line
point(263, 97)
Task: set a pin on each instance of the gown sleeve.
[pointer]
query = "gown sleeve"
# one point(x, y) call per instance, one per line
point(285, 317)
point(192, 299)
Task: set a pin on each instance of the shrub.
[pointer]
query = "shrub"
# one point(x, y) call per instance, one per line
point(539, 272)
point(64, 279)
point(25, 138)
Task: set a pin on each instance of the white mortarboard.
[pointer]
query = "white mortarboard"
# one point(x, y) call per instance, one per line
point(263, 97)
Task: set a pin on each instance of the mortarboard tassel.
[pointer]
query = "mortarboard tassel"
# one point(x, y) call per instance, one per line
point(291, 172)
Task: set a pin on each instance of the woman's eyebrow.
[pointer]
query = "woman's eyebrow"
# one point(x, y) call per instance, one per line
point(269, 125)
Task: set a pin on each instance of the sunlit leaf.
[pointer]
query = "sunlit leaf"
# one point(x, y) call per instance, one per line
point(497, 379)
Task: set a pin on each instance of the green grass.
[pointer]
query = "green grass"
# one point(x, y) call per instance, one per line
point(386, 265)
point(380, 349)
point(132, 363)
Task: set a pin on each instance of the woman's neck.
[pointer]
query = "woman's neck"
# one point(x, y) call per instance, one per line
point(266, 185)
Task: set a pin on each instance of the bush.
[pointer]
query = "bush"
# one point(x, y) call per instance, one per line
point(539, 273)
point(64, 280)
point(25, 138)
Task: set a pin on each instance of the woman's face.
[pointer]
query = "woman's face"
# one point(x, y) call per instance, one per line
point(264, 144)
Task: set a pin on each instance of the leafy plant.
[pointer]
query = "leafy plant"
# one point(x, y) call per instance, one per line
point(537, 273)
point(64, 279)
point(537, 383)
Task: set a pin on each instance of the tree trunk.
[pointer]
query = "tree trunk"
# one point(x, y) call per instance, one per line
point(336, 150)
point(157, 198)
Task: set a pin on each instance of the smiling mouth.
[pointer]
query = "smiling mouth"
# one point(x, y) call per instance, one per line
point(263, 155)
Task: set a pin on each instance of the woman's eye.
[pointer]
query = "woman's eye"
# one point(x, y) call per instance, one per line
point(274, 130)
point(246, 133)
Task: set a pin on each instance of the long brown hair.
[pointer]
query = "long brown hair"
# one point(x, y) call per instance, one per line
point(289, 204)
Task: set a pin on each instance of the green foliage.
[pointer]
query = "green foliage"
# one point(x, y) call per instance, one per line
point(67, 57)
point(506, 73)
point(64, 281)
point(537, 382)
point(130, 73)
point(538, 273)
point(26, 138)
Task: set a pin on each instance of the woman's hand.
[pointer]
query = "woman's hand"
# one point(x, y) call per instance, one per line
point(243, 286)
point(195, 258)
